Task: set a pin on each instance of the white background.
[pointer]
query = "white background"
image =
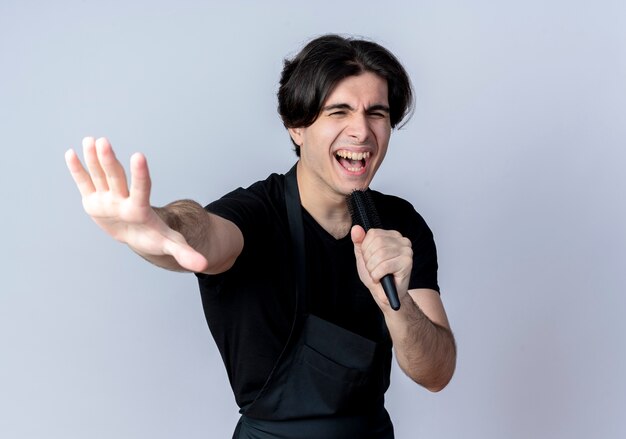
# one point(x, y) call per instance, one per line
point(515, 157)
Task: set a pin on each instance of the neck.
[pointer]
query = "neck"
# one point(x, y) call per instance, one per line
point(328, 208)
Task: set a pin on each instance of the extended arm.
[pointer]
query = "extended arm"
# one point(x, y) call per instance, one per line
point(181, 236)
point(421, 335)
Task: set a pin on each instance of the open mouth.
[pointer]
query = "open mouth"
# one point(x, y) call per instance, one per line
point(352, 161)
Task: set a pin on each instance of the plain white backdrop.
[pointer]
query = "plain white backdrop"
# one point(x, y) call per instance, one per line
point(515, 156)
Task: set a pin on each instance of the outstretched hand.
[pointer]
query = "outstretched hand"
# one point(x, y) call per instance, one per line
point(125, 213)
point(378, 253)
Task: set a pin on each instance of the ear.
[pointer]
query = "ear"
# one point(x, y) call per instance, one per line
point(296, 135)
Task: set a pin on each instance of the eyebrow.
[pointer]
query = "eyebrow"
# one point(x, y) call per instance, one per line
point(375, 107)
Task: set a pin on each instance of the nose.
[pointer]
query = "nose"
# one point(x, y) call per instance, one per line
point(358, 127)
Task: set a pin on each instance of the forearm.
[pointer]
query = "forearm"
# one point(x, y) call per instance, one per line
point(179, 220)
point(426, 351)
point(218, 240)
point(188, 218)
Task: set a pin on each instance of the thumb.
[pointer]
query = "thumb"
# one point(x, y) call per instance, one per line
point(186, 256)
point(357, 233)
point(193, 261)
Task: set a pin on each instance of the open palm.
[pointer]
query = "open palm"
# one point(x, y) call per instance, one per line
point(125, 213)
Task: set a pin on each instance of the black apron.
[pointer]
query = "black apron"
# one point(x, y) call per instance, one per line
point(328, 382)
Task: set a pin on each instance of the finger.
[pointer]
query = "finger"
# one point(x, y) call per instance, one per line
point(140, 182)
point(93, 164)
point(115, 175)
point(383, 249)
point(377, 239)
point(357, 234)
point(79, 174)
point(398, 262)
point(384, 267)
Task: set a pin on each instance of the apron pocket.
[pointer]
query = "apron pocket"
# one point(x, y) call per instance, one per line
point(310, 358)
point(338, 344)
point(331, 373)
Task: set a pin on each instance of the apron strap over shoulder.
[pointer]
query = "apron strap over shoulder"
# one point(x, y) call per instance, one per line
point(296, 229)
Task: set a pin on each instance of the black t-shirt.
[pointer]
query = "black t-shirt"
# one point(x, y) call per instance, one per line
point(250, 307)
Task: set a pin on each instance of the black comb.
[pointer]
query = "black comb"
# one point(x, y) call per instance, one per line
point(363, 213)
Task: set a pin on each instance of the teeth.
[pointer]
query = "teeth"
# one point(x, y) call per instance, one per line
point(352, 155)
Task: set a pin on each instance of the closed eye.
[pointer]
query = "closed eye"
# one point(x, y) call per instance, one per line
point(378, 115)
point(378, 111)
point(337, 109)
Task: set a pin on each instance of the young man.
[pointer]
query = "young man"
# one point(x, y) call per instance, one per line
point(291, 290)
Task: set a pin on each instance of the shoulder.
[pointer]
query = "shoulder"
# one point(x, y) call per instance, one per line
point(261, 195)
point(391, 200)
point(272, 184)
point(268, 189)
point(254, 208)
point(396, 212)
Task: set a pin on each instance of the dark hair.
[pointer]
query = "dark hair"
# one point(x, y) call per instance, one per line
point(309, 78)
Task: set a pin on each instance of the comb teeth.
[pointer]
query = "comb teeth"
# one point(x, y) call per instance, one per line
point(362, 209)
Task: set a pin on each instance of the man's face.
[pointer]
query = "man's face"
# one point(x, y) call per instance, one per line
point(342, 150)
